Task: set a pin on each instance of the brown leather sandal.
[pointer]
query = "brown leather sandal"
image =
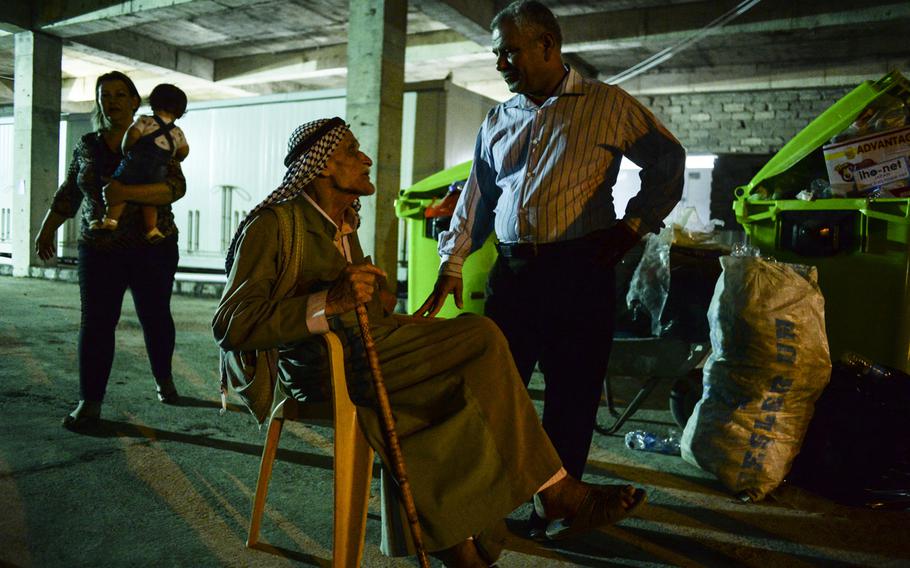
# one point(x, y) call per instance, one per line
point(601, 506)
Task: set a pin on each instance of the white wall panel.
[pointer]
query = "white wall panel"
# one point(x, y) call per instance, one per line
point(7, 128)
point(6, 182)
point(241, 147)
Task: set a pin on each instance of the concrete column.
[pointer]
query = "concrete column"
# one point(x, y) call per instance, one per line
point(36, 107)
point(375, 93)
point(430, 132)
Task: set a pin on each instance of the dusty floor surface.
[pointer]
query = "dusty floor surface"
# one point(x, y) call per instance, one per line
point(171, 486)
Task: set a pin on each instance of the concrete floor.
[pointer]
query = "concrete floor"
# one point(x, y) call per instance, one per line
point(171, 486)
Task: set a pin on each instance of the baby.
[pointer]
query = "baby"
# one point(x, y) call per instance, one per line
point(148, 145)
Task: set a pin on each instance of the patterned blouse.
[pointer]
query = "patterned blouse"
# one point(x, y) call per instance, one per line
point(92, 161)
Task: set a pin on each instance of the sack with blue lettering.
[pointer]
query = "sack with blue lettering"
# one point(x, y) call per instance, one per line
point(769, 364)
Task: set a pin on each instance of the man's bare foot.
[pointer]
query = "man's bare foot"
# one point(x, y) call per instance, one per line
point(573, 508)
point(563, 498)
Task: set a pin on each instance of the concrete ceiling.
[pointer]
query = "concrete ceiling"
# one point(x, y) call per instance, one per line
point(234, 48)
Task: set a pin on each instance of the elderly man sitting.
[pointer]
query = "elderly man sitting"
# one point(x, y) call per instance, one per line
point(473, 444)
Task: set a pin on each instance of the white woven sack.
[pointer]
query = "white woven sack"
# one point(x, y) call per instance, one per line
point(769, 364)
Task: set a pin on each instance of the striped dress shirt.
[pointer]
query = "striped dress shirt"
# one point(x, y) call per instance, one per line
point(545, 173)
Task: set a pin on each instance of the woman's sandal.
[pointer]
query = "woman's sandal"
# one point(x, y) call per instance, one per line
point(167, 392)
point(601, 506)
point(86, 416)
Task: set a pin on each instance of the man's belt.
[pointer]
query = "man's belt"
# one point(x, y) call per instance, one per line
point(535, 250)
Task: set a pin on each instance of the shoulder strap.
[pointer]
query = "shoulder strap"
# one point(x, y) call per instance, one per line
point(164, 129)
point(291, 233)
point(254, 375)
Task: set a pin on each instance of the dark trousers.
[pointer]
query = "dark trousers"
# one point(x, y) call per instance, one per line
point(104, 276)
point(557, 309)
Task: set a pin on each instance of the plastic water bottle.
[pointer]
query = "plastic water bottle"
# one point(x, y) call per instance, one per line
point(865, 367)
point(648, 442)
point(745, 249)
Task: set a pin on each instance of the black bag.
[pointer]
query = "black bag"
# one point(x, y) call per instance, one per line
point(857, 450)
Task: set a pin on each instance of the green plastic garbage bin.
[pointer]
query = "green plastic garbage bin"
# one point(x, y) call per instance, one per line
point(422, 233)
point(861, 247)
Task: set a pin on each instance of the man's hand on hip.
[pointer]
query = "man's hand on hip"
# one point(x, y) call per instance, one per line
point(619, 240)
point(445, 285)
point(356, 285)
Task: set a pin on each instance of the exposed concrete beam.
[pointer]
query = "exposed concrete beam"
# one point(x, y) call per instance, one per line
point(442, 44)
point(135, 48)
point(290, 66)
point(103, 15)
point(786, 15)
point(766, 76)
point(47, 11)
point(54, 16)
point(135, 51)
point(322, 62)
point(665, 25)
point(15, 16)
point(470, 18)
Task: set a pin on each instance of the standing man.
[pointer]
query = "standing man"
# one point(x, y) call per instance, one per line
point(545, 162)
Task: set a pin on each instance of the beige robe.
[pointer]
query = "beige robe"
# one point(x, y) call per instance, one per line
point(471, 439)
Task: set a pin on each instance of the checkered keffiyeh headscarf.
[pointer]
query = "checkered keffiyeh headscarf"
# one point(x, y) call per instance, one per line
point(309, 149)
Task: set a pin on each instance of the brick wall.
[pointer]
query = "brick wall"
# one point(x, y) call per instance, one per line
point(757, 122)
point(743, 129)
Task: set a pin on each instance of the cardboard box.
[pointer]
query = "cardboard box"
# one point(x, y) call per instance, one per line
point(890, 177)
point(868, 163)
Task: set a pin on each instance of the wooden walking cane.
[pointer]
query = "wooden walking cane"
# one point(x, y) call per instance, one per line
point(388, 423)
